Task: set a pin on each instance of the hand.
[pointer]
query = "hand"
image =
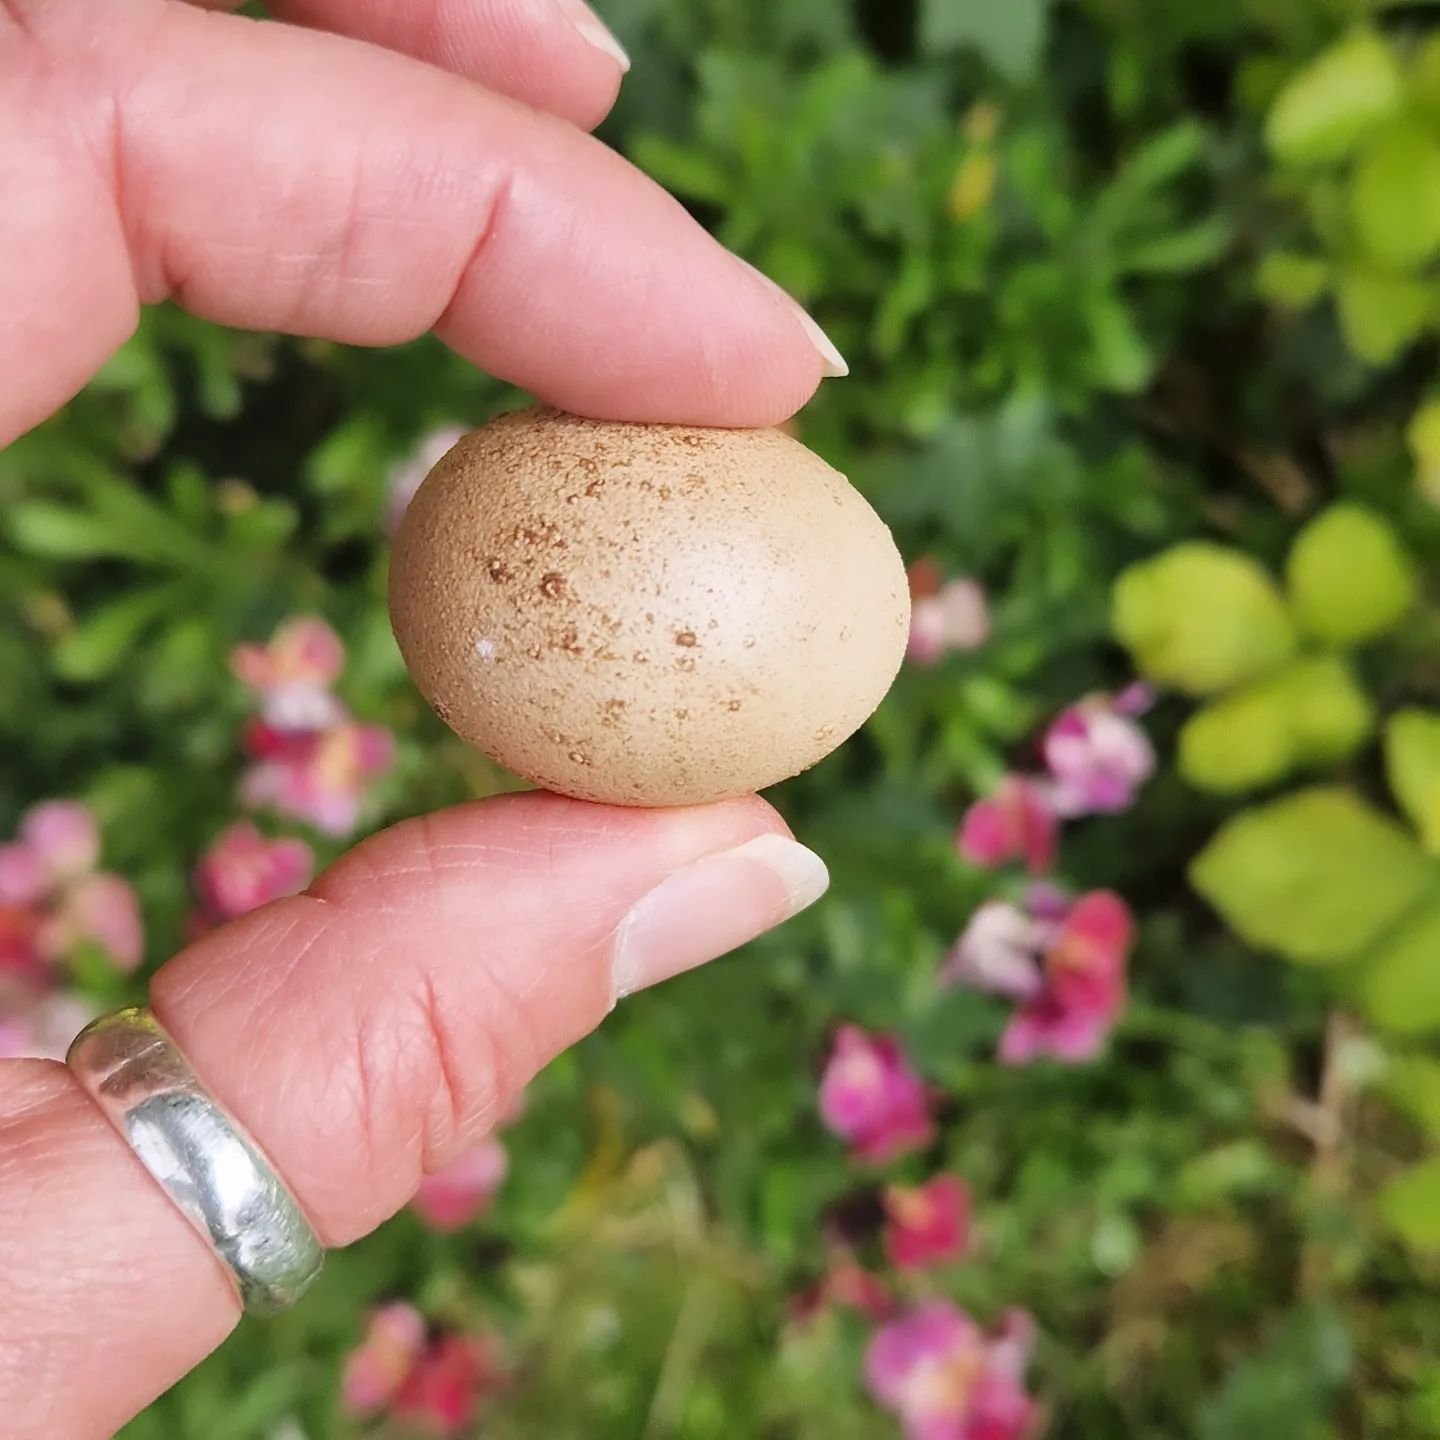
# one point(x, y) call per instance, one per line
point(371, 1029)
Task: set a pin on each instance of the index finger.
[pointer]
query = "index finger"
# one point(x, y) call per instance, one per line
point(276, 178)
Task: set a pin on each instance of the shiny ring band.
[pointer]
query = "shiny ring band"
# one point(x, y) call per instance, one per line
point(213, 1171)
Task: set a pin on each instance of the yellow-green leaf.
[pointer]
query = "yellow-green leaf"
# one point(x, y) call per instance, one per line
point(1349, 577)
point(1401, 984)
point(1412, 766)
point(1410, 1206)
point(1317, 876)
point(1395, 196)
point(1382, 313)
point(1324, 109)
point(1412, 1082)
point(1201, 618)
point(1238, 742)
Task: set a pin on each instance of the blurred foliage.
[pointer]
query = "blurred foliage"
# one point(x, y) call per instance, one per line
point(1113, 277)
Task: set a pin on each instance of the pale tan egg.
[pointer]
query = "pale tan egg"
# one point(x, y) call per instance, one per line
point(646, 614)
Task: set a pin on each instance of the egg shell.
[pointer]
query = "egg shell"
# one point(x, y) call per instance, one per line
point(646, 615)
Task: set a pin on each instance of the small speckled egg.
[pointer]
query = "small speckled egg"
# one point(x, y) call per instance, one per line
point(646, 614)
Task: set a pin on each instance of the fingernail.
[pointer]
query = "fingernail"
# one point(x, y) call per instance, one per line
point(594, 29)
point(711, 906)
point(834, 366)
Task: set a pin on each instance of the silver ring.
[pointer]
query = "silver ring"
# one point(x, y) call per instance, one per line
point(214, 1172)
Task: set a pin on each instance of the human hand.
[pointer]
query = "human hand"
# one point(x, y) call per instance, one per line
point(373, 1028)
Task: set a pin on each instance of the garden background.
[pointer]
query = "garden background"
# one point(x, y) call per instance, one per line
point(1099, 1098)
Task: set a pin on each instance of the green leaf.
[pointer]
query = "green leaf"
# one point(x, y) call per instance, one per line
point(1328, 106)
point(98, 644)
point(1349, 577)
point(1120, 359)
point(1412, 1082)
point(1317, 876)
point(1400, 987)
point(1178, 253)
point(1285, 1389)
point(1010, 36)
point(1395, 197)
point(1382, 314)
point(59, 532)
point(1202, 618)
point(1412, 766)
point(1410, 1206)
point(691, 172)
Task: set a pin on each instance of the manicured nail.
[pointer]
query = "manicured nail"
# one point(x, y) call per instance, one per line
point(834, 365)
point(713, 905)
point(594, 29)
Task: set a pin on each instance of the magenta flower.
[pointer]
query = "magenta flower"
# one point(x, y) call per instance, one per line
point(945, 616)
point(1016, 822)
point(1066, 964)
point(872, 1099)
point(312, 761)
point(52, 899)
point(927, 1224)
point(1084, 986)
point(1098, 756)
point(947, 1380)
point(405, 478)
point(243, 870)
point(429, 1384)
point(451, 1198)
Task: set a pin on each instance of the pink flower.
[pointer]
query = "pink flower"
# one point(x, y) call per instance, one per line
point(21, 963)
point(23, 879)
point(847, 1285)
point(999, 951)
point(441, 1393)
point(451, 1198)
point(927, 1224)
point(430, 1384)
point(378, 1367)
point(294, 672)
point(63, 837)
point(1084, 988)
point(1098, 756)
point(43, 1029)
point(947, 1380)
point(317, 776)
point(1064, 962)
point(312, 761)
point(242, 870)
point(99, 908)
point(52, 899)
point(944, 617)
point(406, 478)
point(1017, 822)
point(871, 1098)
